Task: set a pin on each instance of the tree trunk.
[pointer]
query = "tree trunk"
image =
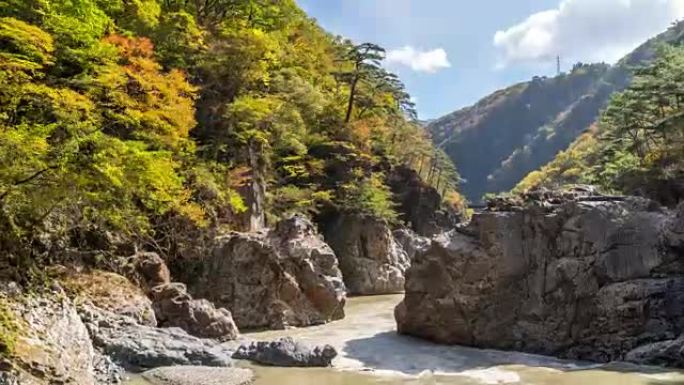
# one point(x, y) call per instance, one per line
point(352, 94)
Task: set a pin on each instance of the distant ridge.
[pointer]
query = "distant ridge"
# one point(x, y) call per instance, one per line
point(499, 140)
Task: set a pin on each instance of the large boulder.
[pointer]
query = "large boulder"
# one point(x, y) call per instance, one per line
point(50, 344)
point(585, 277)
point(286, 352)
point(371, 260)
point(136, 347)
point(287, 276)
point(174, 307)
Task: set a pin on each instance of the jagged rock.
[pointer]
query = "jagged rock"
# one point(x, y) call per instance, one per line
point(174, 307)
point(286, 352)
point(579, 279)
point(52, 344)
point(287, 276)
point(199, 375)
point(371, 260)
point(412, 243)
point(136, 346)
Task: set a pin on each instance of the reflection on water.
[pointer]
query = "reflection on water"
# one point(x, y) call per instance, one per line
point(371, 353)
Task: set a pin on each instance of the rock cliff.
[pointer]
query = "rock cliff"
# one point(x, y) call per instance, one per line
point(287, 276)
point(584, 277)
point(371, 260)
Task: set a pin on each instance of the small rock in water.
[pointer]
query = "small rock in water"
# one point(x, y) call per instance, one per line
point(286, 352)
point(198, 375)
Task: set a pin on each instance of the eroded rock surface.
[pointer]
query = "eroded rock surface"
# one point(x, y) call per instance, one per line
point(412, 243)
point(52, 344)
point(136, 346)
point(287, 276)
point(371, 260)
point(286, 352)
point(174, 307)
point(578, 277)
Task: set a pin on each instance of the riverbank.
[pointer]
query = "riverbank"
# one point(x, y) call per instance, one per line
point(372, 353)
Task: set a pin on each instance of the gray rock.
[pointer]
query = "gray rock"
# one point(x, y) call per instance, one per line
point(412, 243)
point(9, 378)
point(198, 375)
point(284, 277)
point(106, 370)
point(136, 346)
point(579, 279)
point(663, 353)
point(52, 341)
point(371, 260)
point(174, 307)
point(286, 352)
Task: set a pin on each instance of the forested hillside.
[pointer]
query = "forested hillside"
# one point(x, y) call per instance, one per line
point(637, 147)
point(498, 141)
point(154, 119)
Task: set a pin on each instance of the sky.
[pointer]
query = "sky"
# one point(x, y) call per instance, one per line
point(451, 53)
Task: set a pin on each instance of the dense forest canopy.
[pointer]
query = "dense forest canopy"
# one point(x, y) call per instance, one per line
point(145, 116)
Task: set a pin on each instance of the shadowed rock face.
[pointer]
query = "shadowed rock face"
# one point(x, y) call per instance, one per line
point(371, 260)
point(287, 276)
point(587, 280)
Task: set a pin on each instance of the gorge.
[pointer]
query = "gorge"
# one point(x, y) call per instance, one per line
point(221, 192)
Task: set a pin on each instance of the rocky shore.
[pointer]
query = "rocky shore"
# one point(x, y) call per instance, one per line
point(578, 276)
point(88, 326)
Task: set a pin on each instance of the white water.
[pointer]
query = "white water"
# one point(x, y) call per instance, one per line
point(372, 353)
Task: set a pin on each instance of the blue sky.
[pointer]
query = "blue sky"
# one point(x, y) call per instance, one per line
point(451, 53)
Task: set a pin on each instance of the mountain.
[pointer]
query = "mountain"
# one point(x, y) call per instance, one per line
point(499, 140)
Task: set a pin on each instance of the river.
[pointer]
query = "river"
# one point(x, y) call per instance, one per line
point(372, 353)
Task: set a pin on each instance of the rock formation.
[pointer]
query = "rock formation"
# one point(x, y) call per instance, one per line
point(60, 337)
point(583, 277)
point(175, 307)
point(136, 346)
point(287, 276)
point(286, 352)
point(51, 344)
point(412, 243)
point(419, 204)
point(371, 260)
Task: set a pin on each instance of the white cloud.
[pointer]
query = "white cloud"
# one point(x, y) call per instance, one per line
point(586, 30)
point(421, 61)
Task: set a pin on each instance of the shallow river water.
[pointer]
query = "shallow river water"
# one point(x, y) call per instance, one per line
point(372, 353)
